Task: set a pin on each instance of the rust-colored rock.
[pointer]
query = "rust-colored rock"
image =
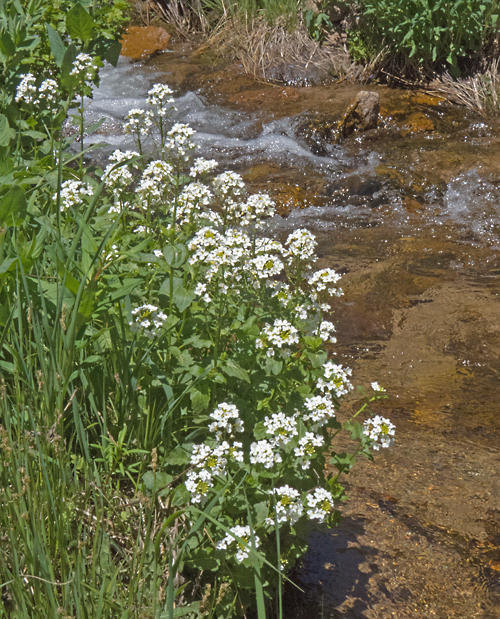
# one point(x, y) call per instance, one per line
point(139, 42)
point(361, 115)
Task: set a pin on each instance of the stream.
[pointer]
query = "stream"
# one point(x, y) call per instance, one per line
point(409, 214)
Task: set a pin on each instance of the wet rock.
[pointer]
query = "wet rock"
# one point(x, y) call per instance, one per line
point(258, 97)
point(317, 134)
point(361, 115)
point(139, 42)
point(289, 198)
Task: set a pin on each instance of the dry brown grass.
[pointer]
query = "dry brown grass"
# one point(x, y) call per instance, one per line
point(480, 92)
point(268, 51)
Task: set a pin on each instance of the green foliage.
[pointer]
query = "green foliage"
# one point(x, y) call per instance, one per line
point(318, 23)
point(427, 35)
point(136, 308)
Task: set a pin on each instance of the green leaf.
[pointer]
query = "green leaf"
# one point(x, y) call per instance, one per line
point(6, 133)
point(259, 431)
point(57, 46)
point(183, 298)
point(69, 58)
point(199, 400)
point(175, 255)
point(179, 455)
point(13, 207)
point(7, 45)
point(106, 49)
point(156, 480)
point(231, 368)
point(79, 24)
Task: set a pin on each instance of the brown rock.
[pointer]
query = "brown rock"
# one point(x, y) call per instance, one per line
point(142, 42)
point(361, 115)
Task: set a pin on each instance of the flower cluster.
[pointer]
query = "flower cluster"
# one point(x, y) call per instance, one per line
point(139, 122)
point(26, 90)
point(289, 507)
point(319, 410)
point(179, 141)
point(262, 453)
point(84, 69)
point(117, 175)
point(319, 504)
point(239, 538)
point(322, 281)
point(160, 97)
point(227, 419)
point(301, 245)
point(72, 193)
point(281, 428)
point(280, 333)
point(379, 430)
point(149, 319)
point(155, 179)
point(202, 166)
point(335, 379)
point(307, 448)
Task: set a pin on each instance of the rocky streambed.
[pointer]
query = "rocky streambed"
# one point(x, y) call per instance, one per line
point(409, 213)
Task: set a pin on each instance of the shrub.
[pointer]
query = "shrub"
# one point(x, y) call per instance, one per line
point(428, 35)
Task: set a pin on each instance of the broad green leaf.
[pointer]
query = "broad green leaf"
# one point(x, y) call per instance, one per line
point(57, 46)
point(13, 207)
point(175, 255)
point(183, 298)
point(79, 24)
point(69, 58)
point(156, 480)
point(199, 400)
point(106, 49)
point(231, 368)
point(6, 133)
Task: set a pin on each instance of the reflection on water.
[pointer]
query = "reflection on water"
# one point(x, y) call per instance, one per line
point(410, 215)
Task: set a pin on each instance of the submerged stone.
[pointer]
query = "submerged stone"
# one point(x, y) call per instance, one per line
point(139, 42)
point(361, 115)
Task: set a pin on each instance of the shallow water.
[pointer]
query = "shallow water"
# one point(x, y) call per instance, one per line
point(409, 213)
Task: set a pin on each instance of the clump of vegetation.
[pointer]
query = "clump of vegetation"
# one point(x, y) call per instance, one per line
point(167, 405)
point(420, 37)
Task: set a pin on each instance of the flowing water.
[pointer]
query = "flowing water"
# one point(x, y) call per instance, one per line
point(409, 213)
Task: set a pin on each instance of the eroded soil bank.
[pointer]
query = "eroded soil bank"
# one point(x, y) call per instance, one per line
point(410, 214)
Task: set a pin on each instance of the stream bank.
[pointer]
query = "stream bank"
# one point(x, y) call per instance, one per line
point(409, 214)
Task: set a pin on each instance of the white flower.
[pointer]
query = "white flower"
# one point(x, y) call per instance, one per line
point(301, 244)
point(48, 94)
point(118, 177)
point(288, 505)
point(72, 193)
point(281, 428)
point(202, 166)
point(377, 387)
point(26, 89)
point(262, 453)
point(198, 483)
point(160, 97)
point(228, 183)
point(326, 328)
point(267, 266)
point(319, 504)
point(282, 332)
point(180, 142)
point(323, 280)
point(149, 319)
point(242, 547)
point(335, 379)
point(320, 410)
point(226, 418)
point(138, 122)
point(305, 451)
point(380, 430)
point(84, 69)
